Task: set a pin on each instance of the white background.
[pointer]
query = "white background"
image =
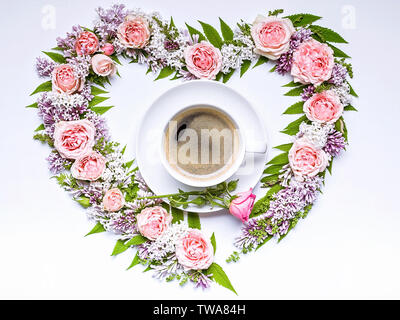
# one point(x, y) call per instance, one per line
point(348, 247)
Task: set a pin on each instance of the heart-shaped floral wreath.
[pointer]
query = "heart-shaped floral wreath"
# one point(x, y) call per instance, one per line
point(90, 166)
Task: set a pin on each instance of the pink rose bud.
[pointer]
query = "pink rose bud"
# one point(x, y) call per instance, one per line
point(113, 200)
point(103, 65)
point(108, 49)
point(241, 206)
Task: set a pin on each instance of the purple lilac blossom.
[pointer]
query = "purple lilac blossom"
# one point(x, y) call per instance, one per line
point(339, 74)
point(335, 143)
point(57, 164)
point(100, 124)
point(308, 92)
point(109, 20)
point(67, 44)
point(44, 67)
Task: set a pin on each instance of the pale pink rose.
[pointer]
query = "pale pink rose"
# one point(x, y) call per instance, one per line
point(65, 80)
point(87, 43)
point(153, 221)
point(271, 36)
point(242, 205)
point(324, 107)
point(194, 251)
point(73, 139)
point(108, 49)
point(113, 200)
point(89, 166)
point(102, 65)
point(312, 62)
point(203, 60)
point(306, 160)
point(134, 32)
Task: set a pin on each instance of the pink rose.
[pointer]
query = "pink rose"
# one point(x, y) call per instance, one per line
point(65, 80)
point(306, 160)
point(108, 49)
point(87, 43)
point(203, 60)
point(134, 32)
point(241, 206)
point(89, 167)
point(102, 65)
point(312, 62)
point(73, 139)
point(271, 36)
point(324, 107)
point(194, 251)
point(153, 221)
point(113, 200)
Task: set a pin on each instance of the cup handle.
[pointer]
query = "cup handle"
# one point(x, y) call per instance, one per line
point(256, 147)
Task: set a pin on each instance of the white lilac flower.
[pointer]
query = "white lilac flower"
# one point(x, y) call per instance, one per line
point(315, 132)
point(343, 92)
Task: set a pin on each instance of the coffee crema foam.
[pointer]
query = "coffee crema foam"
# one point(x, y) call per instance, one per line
point(201, 142)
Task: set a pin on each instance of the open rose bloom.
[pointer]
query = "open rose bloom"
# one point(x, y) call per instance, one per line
point(324, 107)
point(203, 60)
point(134, 32)
point(103, 65)
point(271, 36)
point(89, 167)
point(87, 43)
point(194, 251)
point(72, 139)
point(312, 63)
point(242, 205)
point(113, 200)
point(153, 221)
point(65, 80)
point(306, 160)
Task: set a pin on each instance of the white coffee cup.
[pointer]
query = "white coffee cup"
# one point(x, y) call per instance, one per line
point(226, 171)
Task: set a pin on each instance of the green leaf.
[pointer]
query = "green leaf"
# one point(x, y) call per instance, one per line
point(96, 91)
point(33, 105)
point(219, 276)
point(327, 35)
point(101, 110)
point(352, 92)
point(212, 35)
point(83, 201)
point(280, 159)
point(119, 248)
point(350, 108)
point(291, 226)
point(296, 108)
point(115, 58)
point(194, 220)
point(177, 215)
point(213, 242)
point(136, 240)
point(264, 242)
point(227, 32)
point(232, 185)
point(302, 19)
point(270, 180)
point(171, 24)
point(274, 169)
point(135, 261)
point(164, 73)
point(40, 128)
point(45, 86)
point(293, 127)
point(56, 57)
point(245, 66)
point(337, 52)
point(98, 228)
point(227, 76)
point(96, 100)
point(284, 147)
point(261, 60)
point(329, 167)
point(129, 164)
point(295, 91)
point(193, 31)
point(292, 84)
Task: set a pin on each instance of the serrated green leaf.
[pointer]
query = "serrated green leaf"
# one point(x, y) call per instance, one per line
point(295, 91)
point(213, 242)
point(271, 179)
point(40, 128)
point(227, 76)
point(164, 73)
point(226, 31)
point(245, 66)
point(45, 86)
point(115, 58)
point(292, 84)
point(135, 261)
point(97, 100)
point(193, 31)
point(352, 92)
point(327, 35)
point(33, 105)
point(177, 215)
point(280, 159)
point(119, 248)
point(302, 19)
point(83, 201)
point(56, 57)
point(212, 35)
point(350, 108)
point(296, 108)
point(101, 110)
point(194, 220)
point(264, 242)
point(261, 60)
point(136, 240)
point(95, 91)
point(274, 169)
point(98, 228)
point(284, 147)
point(337, 52)
point(293, 127)
point(219, 276)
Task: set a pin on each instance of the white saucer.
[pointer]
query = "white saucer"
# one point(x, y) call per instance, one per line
point(172, 101)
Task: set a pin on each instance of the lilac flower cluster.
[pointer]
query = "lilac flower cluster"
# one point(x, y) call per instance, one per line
point(335, 143)
point(286, 206)
point(339, 74)
point(284, 63)
point(308, 92)
point(102, 131)
point(44, 67)
point(57, 164)
point(109, 20)
point(67, 44)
